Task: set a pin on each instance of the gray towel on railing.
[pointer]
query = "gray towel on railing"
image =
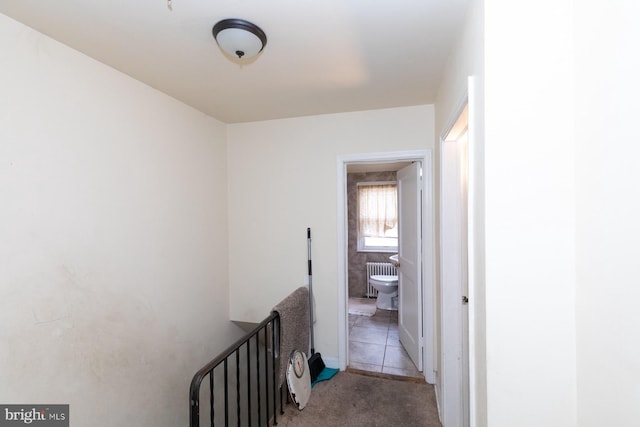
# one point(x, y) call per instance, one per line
point(294, 327)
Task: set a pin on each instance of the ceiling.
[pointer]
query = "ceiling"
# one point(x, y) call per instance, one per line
point(321, 57)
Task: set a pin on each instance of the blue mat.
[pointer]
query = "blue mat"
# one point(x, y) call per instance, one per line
point(326, 374)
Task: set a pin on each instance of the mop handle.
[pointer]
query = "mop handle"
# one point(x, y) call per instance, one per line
point(310, 290)
point(309, 253)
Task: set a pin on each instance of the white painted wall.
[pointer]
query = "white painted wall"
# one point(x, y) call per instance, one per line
point(608, 209)
point(530, 214)
point(282, 179)
point(561, 212)
point(113, 261)
point(466, 60)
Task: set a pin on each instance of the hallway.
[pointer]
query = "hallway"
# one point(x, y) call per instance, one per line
point(353, 400)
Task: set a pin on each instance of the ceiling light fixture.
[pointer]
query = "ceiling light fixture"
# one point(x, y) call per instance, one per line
point(239, 38)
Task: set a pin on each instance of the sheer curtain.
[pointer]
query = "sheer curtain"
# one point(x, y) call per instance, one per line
point(378, 209)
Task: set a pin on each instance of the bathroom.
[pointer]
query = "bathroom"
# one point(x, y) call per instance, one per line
point(374, 345)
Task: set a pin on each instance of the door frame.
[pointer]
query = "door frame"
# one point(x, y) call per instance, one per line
point(451, 337)
point(428, 248)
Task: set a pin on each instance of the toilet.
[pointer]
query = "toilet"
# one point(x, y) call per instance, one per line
point(387, 287)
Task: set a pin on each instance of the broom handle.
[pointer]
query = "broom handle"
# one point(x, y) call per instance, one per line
point(310, 289)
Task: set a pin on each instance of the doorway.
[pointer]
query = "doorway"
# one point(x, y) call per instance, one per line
point(422, 299)
point(379, 339)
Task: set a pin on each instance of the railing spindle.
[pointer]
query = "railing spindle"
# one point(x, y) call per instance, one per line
point(249, 381)
point(226, 395)
point(266, 374)
point(264, 384)
point(258, 372)
point(273, 371)
point(238, 385)
point(211, 400)
point(281, 402)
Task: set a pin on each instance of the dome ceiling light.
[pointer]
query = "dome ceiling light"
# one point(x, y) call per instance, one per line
point(239, 38)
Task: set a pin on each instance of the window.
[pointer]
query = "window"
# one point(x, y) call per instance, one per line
point(377, 217)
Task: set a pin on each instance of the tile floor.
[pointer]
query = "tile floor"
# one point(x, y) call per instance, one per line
point(374, 345)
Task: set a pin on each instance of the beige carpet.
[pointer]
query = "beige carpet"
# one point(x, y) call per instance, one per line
point(353, 400)
point(362, 306)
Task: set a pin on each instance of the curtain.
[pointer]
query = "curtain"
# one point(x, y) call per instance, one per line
point(378, 209)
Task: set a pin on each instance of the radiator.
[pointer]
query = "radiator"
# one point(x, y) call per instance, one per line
point(375, 268)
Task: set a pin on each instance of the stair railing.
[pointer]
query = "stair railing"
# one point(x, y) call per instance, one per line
point(242, 381)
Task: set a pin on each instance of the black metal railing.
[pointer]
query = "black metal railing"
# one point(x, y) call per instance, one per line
point(249, 396)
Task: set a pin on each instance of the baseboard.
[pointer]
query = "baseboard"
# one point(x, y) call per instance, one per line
point(331, 362)
point(436, 389)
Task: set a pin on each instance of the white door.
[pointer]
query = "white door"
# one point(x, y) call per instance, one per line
point(454, 280)
point(409, 257)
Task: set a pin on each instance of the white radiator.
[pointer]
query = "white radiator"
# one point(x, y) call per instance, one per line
point(375, 268)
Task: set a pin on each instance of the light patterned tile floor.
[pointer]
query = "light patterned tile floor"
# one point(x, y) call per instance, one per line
point(374, 345)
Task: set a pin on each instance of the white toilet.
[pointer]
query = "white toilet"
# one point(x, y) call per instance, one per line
point(387, 287)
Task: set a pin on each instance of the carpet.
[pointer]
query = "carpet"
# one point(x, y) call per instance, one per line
point(362, 306)
point(353, 400)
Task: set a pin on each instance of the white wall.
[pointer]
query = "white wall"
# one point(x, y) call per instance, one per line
point(282, 179)
point(608, 208)
point(467, 59)
point(530, 214)
point(113, 262)
point(561, 212)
